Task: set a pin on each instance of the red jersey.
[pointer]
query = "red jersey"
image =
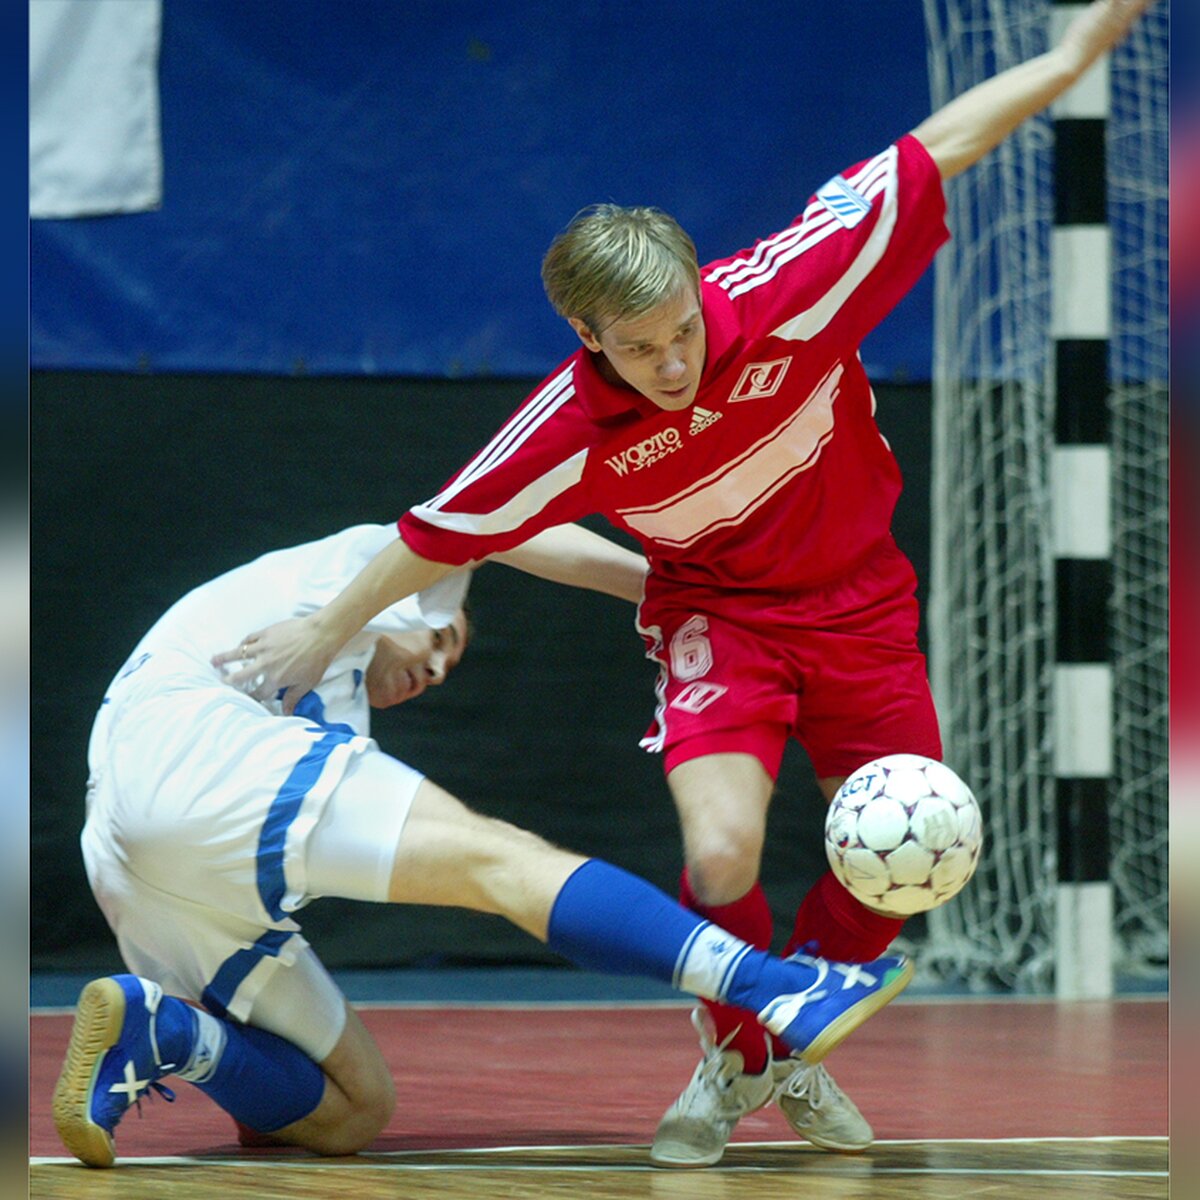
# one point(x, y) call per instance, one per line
point(776, 477)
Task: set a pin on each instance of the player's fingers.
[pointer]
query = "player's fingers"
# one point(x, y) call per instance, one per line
point(249, 680)
point(247, 675)
point(243, 652)
point(290, 699)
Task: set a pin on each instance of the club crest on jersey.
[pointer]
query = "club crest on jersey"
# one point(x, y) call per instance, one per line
point(646, 452)
point(696, 697)
point(848, 205)
point(702, 418)
point(760, 380)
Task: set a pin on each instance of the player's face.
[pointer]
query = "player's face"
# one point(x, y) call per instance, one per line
point(660, 353)
point(427, 656)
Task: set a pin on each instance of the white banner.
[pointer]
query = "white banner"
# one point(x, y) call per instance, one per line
point(94, 141)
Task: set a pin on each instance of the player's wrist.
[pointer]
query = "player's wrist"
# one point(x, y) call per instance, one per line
point(330, 630)
point(1094, 33)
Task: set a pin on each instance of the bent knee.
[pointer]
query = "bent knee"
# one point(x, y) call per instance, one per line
point(360, 1126)
point(373, 1111)
point(724, 874)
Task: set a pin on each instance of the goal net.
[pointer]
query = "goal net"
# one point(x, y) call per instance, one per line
point(1138, 154)
point(991, 612)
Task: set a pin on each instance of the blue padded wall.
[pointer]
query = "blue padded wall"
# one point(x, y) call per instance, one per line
point(367, 188)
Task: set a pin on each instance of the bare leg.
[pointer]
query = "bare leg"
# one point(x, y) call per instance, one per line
point(722, 800)
point(449, 855)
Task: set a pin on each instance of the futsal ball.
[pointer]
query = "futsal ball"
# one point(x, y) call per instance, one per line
point(903, 834)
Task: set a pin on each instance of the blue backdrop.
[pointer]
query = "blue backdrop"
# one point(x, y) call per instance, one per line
point(368, 188)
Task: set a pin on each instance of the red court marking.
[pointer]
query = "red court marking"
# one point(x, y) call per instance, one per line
point(479, 1077)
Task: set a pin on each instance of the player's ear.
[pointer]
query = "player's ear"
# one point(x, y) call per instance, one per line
point(586, 336)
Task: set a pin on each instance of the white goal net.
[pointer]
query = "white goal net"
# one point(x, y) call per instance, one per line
point(991, 612)
point(1138, 153)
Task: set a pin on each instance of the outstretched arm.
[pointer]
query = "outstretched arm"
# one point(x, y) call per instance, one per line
point(295, 654)
point(963, 131)
point(574, 555)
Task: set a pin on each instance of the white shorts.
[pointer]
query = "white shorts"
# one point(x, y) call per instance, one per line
point(210, 822)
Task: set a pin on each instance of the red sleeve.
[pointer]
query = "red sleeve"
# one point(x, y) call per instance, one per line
point(526, 479)
point(861, 243)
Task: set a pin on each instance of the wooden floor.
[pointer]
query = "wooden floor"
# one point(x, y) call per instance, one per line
point(931, 1170)
point(968, 1099)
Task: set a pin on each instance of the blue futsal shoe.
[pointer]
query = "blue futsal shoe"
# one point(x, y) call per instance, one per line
point(835, 1003)
point(112, 1061)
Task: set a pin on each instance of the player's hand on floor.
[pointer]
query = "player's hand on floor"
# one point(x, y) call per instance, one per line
point(288, 658)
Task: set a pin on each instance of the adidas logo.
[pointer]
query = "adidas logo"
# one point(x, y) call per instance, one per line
point(702, 418)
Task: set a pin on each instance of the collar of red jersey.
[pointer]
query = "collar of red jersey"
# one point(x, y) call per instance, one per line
point(603, 399)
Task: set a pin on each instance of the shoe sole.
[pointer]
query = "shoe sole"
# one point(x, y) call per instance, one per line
point(99, 1016)
point(839, 1030)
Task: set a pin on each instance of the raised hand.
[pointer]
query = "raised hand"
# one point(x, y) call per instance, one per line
point(969, 126)
point(1099, 27)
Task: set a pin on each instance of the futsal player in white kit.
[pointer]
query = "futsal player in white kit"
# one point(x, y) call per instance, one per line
point(212, 819)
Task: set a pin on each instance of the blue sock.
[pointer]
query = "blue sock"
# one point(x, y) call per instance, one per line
point(606, 919)
point(257, 1077)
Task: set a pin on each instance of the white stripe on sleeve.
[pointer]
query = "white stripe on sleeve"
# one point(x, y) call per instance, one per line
point(514, 513)
point(809, 323)
point(525, 422)
point(818, 223)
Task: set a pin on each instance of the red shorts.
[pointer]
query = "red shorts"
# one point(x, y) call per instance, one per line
point(836, 667)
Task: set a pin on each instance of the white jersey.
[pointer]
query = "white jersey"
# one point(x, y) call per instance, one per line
point(293, 583)
point(201, 799)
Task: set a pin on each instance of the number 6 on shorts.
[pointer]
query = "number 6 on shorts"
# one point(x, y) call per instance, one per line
point(691, 651)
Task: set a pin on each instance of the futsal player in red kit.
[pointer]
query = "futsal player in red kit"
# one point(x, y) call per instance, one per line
point(721, 415)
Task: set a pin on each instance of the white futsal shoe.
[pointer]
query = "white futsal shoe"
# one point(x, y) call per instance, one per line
point(695, 1129)
point(817, 1109)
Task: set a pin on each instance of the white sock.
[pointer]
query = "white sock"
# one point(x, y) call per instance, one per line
point(708, 961)
point(207, 1050)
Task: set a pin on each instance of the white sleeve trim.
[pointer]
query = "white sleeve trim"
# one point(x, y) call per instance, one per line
point(808, 324)
point(529, 501)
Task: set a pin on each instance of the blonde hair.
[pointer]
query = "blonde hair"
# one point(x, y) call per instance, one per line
point(613, 263)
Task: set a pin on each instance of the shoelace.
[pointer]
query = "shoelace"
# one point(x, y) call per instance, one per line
point(153, 1085)
point(161, 1088)
point(814, 1084)
point(716, 1062)
point(718, 1067)
point(732, 1106)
